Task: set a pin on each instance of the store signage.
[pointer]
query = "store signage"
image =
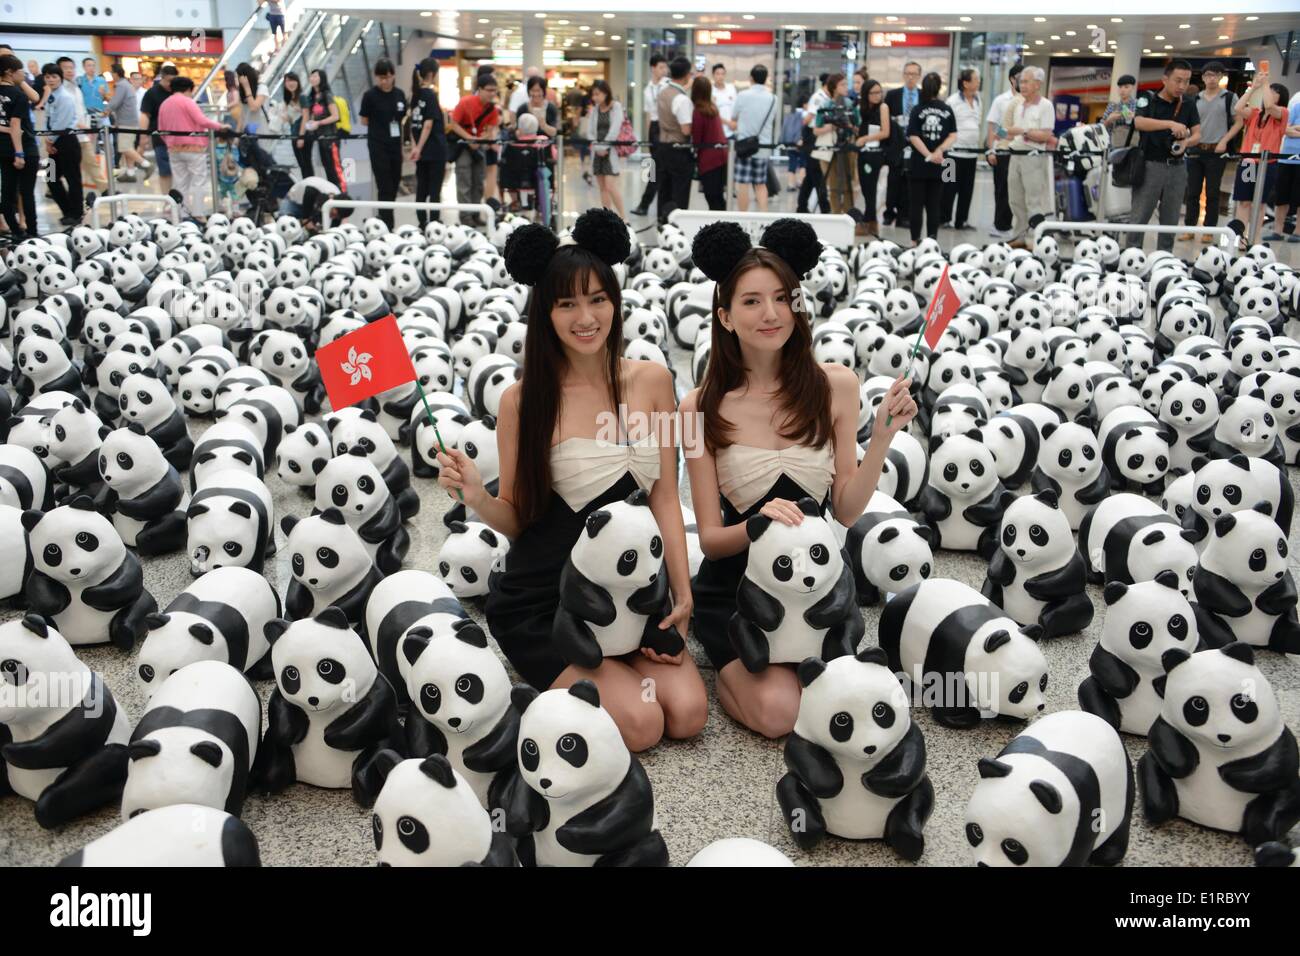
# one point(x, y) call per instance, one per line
point(200, 43)
point(893, 39)
point(733, 37)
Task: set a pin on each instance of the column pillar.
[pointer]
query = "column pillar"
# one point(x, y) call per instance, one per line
point(1128, 59)
point(533, 33)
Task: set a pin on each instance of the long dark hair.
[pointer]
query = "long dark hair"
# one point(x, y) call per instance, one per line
point(246, 70)
point(702, 96)
point(297, 95)
point(572, 271)
point(805, 393)
point(324, 96)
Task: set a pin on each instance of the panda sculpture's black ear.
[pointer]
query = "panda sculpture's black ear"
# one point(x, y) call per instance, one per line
point(438, 769)
point(809, 507)
point(639, 497)
point(208, 752)
point(991, 768)
point(290, 428)
point(1225, 402)
point(31, 518)
point(521, 695)
point(1239, 651)
point(1048, 429)
point(358, 451)
point(286, 523)
point(156, 620)
point(756, 525)
point(241, 508)
point(469, 632)
point(1258, 393)
point(888, 535)
point(809, 669)
point(36, 624)
point(973, 434)
point(1047, 795)
point(334, 617)
point(1172, 658)
point(136, 428)
point(202, 509)
point(1154, 538)
point(1115, 590)
point(143, 748)
point(274, 628)
point(1166, 385)
point(1052, 375)
point(489, 537)
point(368, 415)
point(1264, 508)
point(1241, 461)
point(82, 503)
point(873, 655)
point(597, 520)
point(1168, 578)
point(416, 640)
point(935, 442)
point(457, 527)
point(202, 459)
point(585, 690)
point(996, 640)
point(202, 633)
point(1224, 524)
point(1048, 497)
point(333, 516)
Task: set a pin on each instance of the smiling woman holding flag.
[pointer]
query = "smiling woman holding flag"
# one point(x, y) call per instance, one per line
point(558, 466)
point(777, 427)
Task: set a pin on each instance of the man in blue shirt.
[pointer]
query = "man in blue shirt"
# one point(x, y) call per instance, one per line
point(93, 87)
point(63, 148)
point(1286, 194)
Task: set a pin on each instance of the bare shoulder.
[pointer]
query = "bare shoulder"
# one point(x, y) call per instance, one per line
point(840, 377)
point(691, 402)
point(510, 397)
point(653, 378)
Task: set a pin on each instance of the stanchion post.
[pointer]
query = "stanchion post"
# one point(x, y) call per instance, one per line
point(106, 142)
point(731, 186)
point(1257, 201)
point(557, 187)
point(212, 166)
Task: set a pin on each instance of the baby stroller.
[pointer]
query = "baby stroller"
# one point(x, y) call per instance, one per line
point(272, 182)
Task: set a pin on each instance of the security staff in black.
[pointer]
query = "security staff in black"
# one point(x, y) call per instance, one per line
point(1169, 126)
point(383, 112)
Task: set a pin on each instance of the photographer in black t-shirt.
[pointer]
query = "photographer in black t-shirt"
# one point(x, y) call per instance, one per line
point(1169, 126)
point(383, 111)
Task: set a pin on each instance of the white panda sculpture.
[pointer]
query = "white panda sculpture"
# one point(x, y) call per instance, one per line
point(1246, 426)
point(331, 568)
point(142, 491)
point(1060, 794)
point(1219, 754)
point(613, 587)
point(467, 557)
point(15, 571)
point(230, 522)
point(146, 399)
point(352, 484)
point(580, 798)
point(227, 445)
point(1037, 574)
point(76, 435)
point(1014, 441)
point(888, 550)
point(268, 410)
point(1190, 407)
point(67, 756)
point(361, 428)
point(963, 654)
point(24, 480)
point(303, 453)
point(1070, 465)
point(173, 836)
point(83, 577)
point(963, 499)
point(331, 711)
point(195, 742)
point(903, 474)
point(797, 598)
point(427, 815)
point(1142, 622)
point(401, 603)
point(739, 852)
point(1135, 448)
point(1244, 588)
point(1129, 538)
point(221, 616)
point(855, 759)
point(1226, 485)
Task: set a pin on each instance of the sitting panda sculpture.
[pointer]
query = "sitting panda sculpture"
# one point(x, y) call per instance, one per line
point(963, 500)
point(1070, 465)
point(147, 400)
point(331, 568)
point(1129, 538)
point(467, 557)
point(352, 484)
point(888, 550)
point(142, 491)
point(230, 522)
point(179, 835)
point(856, 759)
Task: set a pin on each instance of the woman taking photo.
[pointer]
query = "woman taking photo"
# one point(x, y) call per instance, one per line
point(428, 136)
point(967, 111)
point(931, 129)
point(1262, 130)
point(19, 158)
point(873, 131)
point(778, 427)
point(833, 111)
point(603, 122)
point(289, 120)
point(559, 466)
point(320, 119)
point(707, 134)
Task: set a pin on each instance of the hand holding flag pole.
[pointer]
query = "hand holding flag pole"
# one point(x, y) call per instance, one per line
point(944, 304)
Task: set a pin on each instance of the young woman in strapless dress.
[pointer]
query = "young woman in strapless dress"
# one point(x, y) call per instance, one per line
point(560, 462)
point(777, 427)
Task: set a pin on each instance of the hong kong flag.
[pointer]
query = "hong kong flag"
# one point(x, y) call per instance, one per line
point(943, 307)
point(370, 360)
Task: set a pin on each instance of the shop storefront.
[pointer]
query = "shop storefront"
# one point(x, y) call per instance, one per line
point(194, 55)
point(888, 52)
point(737, 50)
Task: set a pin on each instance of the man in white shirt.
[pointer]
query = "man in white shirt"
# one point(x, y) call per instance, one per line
point(650, 106)
point(724, 98)
point(1030, 123)
point(1002, 217)
point(90, 168)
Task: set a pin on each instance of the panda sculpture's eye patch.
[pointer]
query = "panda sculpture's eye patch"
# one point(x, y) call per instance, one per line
point(124, 460)
point(13, 672)
point(366, 484)
point(1009, 535)
point(529, 754)
point(898, 572)
point(841, 727)
point(974, 834)
point(1203, 494)
point(299, 565)
point(1281, 547)
point(1065, 457)
point(950, 472)
point(412, 834)
point(233, 548)
point(1015, 852)
point(328, 557)
point(572, 748)
point(469, 574)
point(883, 714)
point(290, 680)
point(783, 568)
point(1018, 692)
point(1258, 560)
point(377, 830)
point(976, 467)
point(1037, 535)
point(470, 688)
point(656, 546)
point(819, 553)
point(1139, 635)
point(1243, 708)
point(1196, 711)
point(430, 698)
point(331, 671)
point(146, 673)
point(339, 495)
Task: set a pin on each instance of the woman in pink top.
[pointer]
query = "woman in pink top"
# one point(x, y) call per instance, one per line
point(180, 114)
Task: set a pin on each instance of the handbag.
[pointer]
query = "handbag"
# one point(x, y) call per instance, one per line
point(1128, 167)
point(747, 146)
point(627, 138)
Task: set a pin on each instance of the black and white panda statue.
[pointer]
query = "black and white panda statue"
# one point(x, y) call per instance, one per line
point(361, 428)
point(462, 707)
point(797, 598)
point(230, 522)
point(613, 587)
point(331, 568)
point(1037, 574)
point(739, 852)
point(963, 499)
point(1225, 485)
point(42, 366)
point(178, 835)
point(68, 756)
point(84, 578)
point(303, 453)
point(24, 480)
point(1244, 588)
point(1070, 465)
point(1142, 622)
point(903, 474)
point(467, 556)
point(963, 654)
point(331, 711)
point(1129, 538)
point(1014, 441)
point(580, 798)
point(195, 742)
point(1190, 407)
point(1246, 426)
point(76, 435)
point(352, 484)
point(142, 491)
point(15, 571)
point(426, 814)
point(1060, 794)
point(146, 399)
point(267, 411)
point(399, 604)
point(888, 550)
point(221, 616)
point(1219, 754)
point(1135, 449)
point(856, 759)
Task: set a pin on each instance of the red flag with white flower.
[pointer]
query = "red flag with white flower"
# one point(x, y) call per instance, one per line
point(943, 306)
point(370, 360)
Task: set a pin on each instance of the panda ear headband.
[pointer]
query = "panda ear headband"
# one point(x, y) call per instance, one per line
point(530, 248)
point(719, 247)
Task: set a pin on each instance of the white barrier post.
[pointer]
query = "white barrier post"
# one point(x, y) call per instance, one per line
point(1226, 235)
point(124, 198)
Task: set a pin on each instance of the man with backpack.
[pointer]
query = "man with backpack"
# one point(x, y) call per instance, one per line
point(1206, 163)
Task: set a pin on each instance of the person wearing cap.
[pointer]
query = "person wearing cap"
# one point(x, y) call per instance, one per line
point(1205, 164)
point(1120, 112)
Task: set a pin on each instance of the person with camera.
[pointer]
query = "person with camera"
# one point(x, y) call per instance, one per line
point(1169, 125)
point(931, 131)
point(835, 124)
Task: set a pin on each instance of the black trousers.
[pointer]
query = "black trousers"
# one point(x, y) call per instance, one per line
point(428, 184)
point(869, 176)
point(18, 187)
point(386, 167)
point(65, 186)
point(925, 196)
point(959, 192)
point(813, 179)
point(329, 158)
point(714, 186)
point(652, 186)
point(1206, 168)
point(673, 167)
point(896, 191)
point(303, 155)
point(1002, 217)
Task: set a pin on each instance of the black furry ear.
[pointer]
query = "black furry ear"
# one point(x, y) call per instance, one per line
point(586, 690)
point(528, 252)
point(717, 249)
point(602, 233)
point(794, 241)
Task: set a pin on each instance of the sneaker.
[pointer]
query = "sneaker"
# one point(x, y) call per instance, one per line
point(144, 165)
point(70, 221)
point(126, 178)
point(1292, 237)
point(1001, 234)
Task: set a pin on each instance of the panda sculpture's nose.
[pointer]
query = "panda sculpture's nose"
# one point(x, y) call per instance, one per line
point(869, 749)
point(1020, 551)
point(1042, 706)
point(545, 783)
point(454, 721)
point(313, 701)
point(1224, 738)
point(809, 581)
point(965, 486)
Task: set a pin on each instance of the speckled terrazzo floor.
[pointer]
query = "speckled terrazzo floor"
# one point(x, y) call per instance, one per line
point(721, 784)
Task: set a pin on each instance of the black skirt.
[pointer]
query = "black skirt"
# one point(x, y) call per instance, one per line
point(714, 586)
point(522, 599)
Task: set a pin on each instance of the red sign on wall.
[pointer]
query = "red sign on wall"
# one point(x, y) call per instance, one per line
point(733, 37)
point(902, 38)
point(198, 43)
